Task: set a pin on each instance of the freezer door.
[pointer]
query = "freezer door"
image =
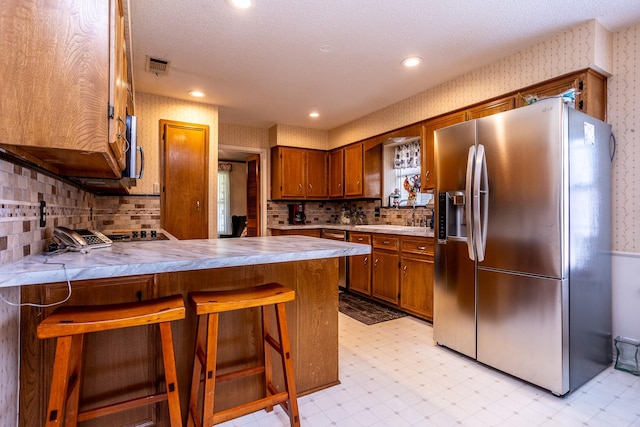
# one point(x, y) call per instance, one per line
point(454, 300)
point(522, 328)
point(524, 157)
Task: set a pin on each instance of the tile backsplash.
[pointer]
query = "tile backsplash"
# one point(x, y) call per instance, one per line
point(329, 212)
point(21, 190)
point(127, 212)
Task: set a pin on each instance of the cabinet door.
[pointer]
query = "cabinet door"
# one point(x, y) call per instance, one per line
point(385, 282)
point(118, 86)
point(360, 266)
point(336, 173)
point(428, 164)
point(416, 286)
point(353, 170)
point(316, 174)
point(292, 170)
point(55, 114)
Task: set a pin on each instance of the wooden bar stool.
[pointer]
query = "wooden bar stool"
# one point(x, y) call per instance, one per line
point(69, 324)
point(207, 306)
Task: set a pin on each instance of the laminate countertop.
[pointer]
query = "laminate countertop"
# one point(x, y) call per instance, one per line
point(401, 230)
point(133, 258)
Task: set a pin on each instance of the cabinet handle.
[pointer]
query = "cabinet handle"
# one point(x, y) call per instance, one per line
point(358, 183)
point(422, 248)
point(426, 175)
point(299, 188)
point(366, 260)
point(198, 205)
point(404, 270)
point(310, 187)
point(375, 263)
point(386, 242)
point(339, 185)
point(360, 239)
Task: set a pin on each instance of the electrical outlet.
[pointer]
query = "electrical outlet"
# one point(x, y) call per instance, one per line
point(43, 213)
point(376, 212)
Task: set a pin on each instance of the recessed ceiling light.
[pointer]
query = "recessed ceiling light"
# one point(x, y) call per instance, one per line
point(314, 114)
point(411, 61)
point(240, 4)
point(196, 93)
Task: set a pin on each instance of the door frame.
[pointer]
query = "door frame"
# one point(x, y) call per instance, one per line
point(265, 168)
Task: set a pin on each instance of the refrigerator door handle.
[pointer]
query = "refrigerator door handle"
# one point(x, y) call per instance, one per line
point(480, 203)
point(468, 198)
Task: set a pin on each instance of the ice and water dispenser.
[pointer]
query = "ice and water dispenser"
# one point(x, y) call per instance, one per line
point(451, 216)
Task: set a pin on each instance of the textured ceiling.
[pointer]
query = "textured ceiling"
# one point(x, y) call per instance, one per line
point(281, 59)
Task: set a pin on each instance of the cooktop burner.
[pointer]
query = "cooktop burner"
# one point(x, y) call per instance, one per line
point(136, 236)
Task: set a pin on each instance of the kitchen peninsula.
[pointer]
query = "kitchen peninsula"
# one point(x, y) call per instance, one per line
point(143, 270)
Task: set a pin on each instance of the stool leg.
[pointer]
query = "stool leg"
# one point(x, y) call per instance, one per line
point(171, 377)
point(210, 369)
point(75, 380)
point(266, 353)
point(201, 339)
point(67, 367)
point(287, 365)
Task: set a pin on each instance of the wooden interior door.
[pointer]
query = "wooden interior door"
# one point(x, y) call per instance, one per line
point(253, 195)
point(184, 173)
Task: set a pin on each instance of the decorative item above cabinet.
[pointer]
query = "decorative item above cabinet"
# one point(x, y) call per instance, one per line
point(64, 101)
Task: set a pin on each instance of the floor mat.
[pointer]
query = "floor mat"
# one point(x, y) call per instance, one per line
point(366, 311)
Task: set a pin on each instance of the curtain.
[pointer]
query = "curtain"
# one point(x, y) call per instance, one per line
point(407, 155)
point(224, 202)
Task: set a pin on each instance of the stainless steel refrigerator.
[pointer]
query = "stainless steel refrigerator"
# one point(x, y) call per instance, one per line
point(523, 265)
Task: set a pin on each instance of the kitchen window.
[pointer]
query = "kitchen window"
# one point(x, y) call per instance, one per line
point(224, 202)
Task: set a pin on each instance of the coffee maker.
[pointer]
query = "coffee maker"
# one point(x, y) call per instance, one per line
point(296, 213)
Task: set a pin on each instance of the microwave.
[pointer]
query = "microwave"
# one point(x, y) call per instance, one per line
point(133, 169)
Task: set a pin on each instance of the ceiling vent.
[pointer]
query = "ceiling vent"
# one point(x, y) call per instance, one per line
point(159, 67)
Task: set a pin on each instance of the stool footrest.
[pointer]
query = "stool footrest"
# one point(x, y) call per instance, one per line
point(250, 407)
point(240, 373)
point(122, 406)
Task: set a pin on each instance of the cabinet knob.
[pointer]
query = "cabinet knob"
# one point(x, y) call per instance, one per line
point(404, 270)
point(366, 260)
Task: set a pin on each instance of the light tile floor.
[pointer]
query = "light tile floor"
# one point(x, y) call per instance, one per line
point(393, 374)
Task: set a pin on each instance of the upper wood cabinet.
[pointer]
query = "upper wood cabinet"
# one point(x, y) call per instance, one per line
point(298, 173)
point(353, 171)
point(428, 163)
point(362, 170)
point(492, 107)
point(336, 173)
point(317, 174)
point(64, 73)
point(590, 86)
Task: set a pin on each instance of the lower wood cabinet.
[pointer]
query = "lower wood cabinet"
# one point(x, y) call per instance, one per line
point(360, 266)
point(111, 358)
point(399, 272)
point(416, 276)
point(386, 261)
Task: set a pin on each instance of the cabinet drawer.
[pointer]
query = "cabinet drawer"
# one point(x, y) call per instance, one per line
point(383, 241)
point(363, 238)
point(417, 246)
